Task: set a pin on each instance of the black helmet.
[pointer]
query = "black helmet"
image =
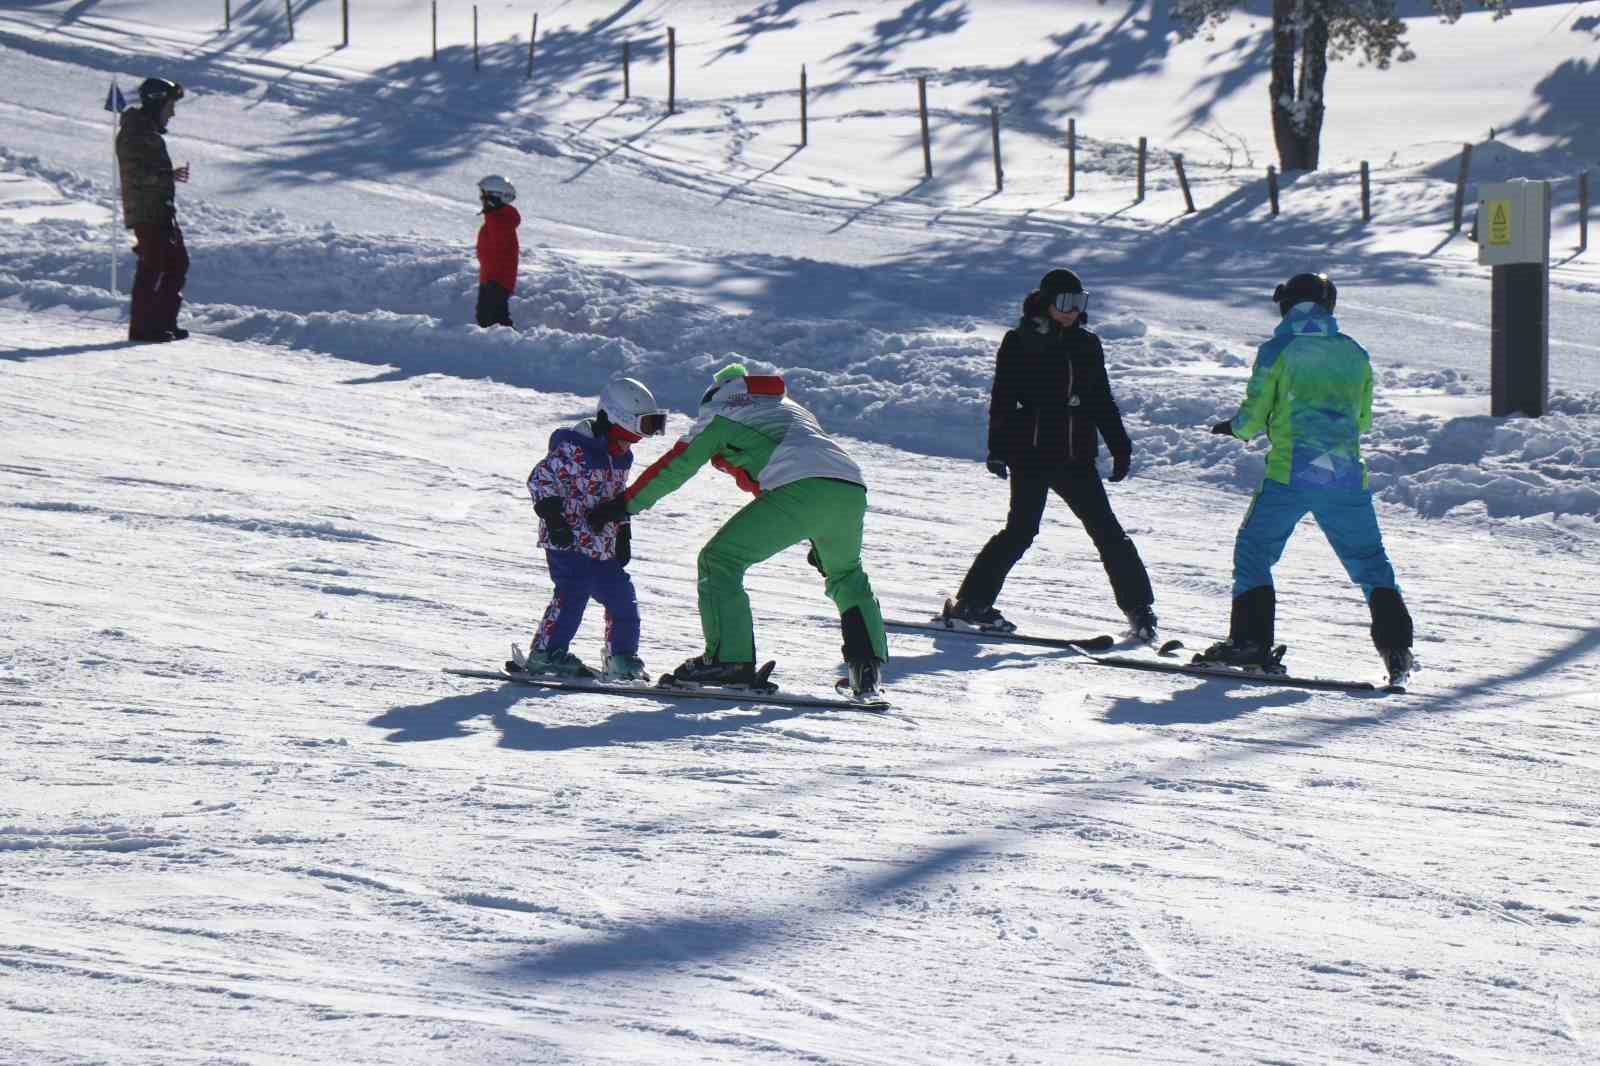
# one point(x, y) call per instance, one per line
point(153, 92)
point(1306, 288)
point(1057, 281)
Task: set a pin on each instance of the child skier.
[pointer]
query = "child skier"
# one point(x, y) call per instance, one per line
point(1311, 391)
point(586, 465)
point(806, 488)
point(497, 251)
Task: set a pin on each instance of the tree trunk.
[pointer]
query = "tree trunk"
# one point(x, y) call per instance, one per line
point(1297, 106)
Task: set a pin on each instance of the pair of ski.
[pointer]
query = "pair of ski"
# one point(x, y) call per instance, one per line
point(763, 691)
point(1089, 649)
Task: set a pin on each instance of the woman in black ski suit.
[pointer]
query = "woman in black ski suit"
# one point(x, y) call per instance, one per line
point(1050, 403)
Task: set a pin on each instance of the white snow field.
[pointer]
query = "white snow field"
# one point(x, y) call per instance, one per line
point(247, 819)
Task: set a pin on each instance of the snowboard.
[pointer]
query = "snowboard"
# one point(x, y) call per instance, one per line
point(774, 697)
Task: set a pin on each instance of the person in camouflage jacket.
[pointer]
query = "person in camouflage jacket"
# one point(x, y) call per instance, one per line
point(149, 208)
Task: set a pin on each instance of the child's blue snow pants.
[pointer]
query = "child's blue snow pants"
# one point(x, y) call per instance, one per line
point(1347, 520)
point(579, 578)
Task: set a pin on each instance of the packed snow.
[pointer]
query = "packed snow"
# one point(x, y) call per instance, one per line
point(249, 819)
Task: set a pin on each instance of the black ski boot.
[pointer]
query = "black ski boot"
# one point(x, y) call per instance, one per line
point(1142, 623)
point(865, 677)
point(703, 670)
point(1244, 655)
point(985, 619)
point(1399, 664)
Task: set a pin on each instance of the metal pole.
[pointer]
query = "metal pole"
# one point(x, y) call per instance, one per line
point(533, 35)
point(922, 108)
point(1272, 188)
point(227, 14)
point(288, 15)
point(1139, 198)
point(999, 172)
point(1366, 192)
point(672, 71)
point(1461, 183)
point(1583, 211)
point(116, 184)
point(344, 11)
point(1183, 183)
point(803, 136)
point(475, 66)
point(435, 10)
point(626, 86)
point(1072, 158)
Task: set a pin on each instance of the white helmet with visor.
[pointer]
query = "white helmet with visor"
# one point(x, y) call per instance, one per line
point(627, 403)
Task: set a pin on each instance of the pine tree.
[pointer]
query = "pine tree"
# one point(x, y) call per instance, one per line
point(1306, 34)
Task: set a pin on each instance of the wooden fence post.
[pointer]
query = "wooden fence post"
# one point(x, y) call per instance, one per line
point(1140, 197)
point(1461, 182)
point(1272, 189)
point(627, 83)
point(435, 10)
point(288, 16)
point(475, 67)
point(803, 140)
point(672, 71)
point(1072, 158)
point(1366, 192)
point(922, 109)
point(1583, 211)
point(533, 35)
point(999, 171)
point(1183, 183)
point(344, 18)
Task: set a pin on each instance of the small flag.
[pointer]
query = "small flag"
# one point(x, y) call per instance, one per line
point(114, 101)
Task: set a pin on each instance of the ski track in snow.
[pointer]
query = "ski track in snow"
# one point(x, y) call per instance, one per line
point(244, 787)
point(248, 820)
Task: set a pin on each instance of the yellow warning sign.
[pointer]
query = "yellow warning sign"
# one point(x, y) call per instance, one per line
point(1499, 212)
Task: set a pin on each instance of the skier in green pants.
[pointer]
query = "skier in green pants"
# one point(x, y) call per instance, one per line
point(806, 488)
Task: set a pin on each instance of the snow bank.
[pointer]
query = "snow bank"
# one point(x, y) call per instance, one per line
point(873, 362)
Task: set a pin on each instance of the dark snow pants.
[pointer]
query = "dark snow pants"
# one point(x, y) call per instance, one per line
point(494, 305)
point(1079, 484)
point(163, 265)
point(578, 579)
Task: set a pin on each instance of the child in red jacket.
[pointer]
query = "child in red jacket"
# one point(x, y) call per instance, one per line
point(497, 251)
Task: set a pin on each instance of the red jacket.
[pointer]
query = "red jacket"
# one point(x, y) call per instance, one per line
point(497, 247)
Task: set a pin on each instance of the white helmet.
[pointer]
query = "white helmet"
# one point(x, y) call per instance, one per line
point(498, 189)
point(627, 403)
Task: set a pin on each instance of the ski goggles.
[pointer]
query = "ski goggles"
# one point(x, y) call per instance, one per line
point(1072, 301)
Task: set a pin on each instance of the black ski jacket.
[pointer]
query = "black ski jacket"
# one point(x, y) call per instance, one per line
point(1051, 399)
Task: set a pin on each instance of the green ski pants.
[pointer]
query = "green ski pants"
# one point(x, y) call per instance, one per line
point(825, 511)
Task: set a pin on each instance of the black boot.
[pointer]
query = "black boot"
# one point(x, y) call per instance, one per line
point(865, 677)
point(704, 670)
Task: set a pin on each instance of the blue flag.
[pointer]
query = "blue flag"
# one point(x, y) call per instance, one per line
point(114, 101)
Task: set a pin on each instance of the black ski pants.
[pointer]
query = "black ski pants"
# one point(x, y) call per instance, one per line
point(494, 305)
point(1080, 485)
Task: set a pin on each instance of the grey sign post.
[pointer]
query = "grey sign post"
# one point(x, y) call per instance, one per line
point(1514, 239)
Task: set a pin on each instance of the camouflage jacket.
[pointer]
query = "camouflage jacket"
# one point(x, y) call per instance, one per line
point(148, 193)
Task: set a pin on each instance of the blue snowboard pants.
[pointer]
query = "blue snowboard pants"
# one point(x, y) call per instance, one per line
point(578, 579)
point(1347, 520)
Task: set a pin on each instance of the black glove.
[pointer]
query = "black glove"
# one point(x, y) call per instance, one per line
point(997, 466)
point(625, 543)
point(557, 530)
point(815, 560)
point(1224, 429)
point(1120, 464)
point(612, 510)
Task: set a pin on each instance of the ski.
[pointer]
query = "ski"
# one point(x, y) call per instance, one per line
point(776, 698)
point(1097, 643)
point(1234, 673)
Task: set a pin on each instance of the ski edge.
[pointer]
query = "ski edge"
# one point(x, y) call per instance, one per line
point(1328, 684)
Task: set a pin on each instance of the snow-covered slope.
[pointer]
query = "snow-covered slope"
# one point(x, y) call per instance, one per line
point(247, 818)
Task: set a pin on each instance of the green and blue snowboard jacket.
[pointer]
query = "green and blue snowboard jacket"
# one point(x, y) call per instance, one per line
point(1311, 391)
